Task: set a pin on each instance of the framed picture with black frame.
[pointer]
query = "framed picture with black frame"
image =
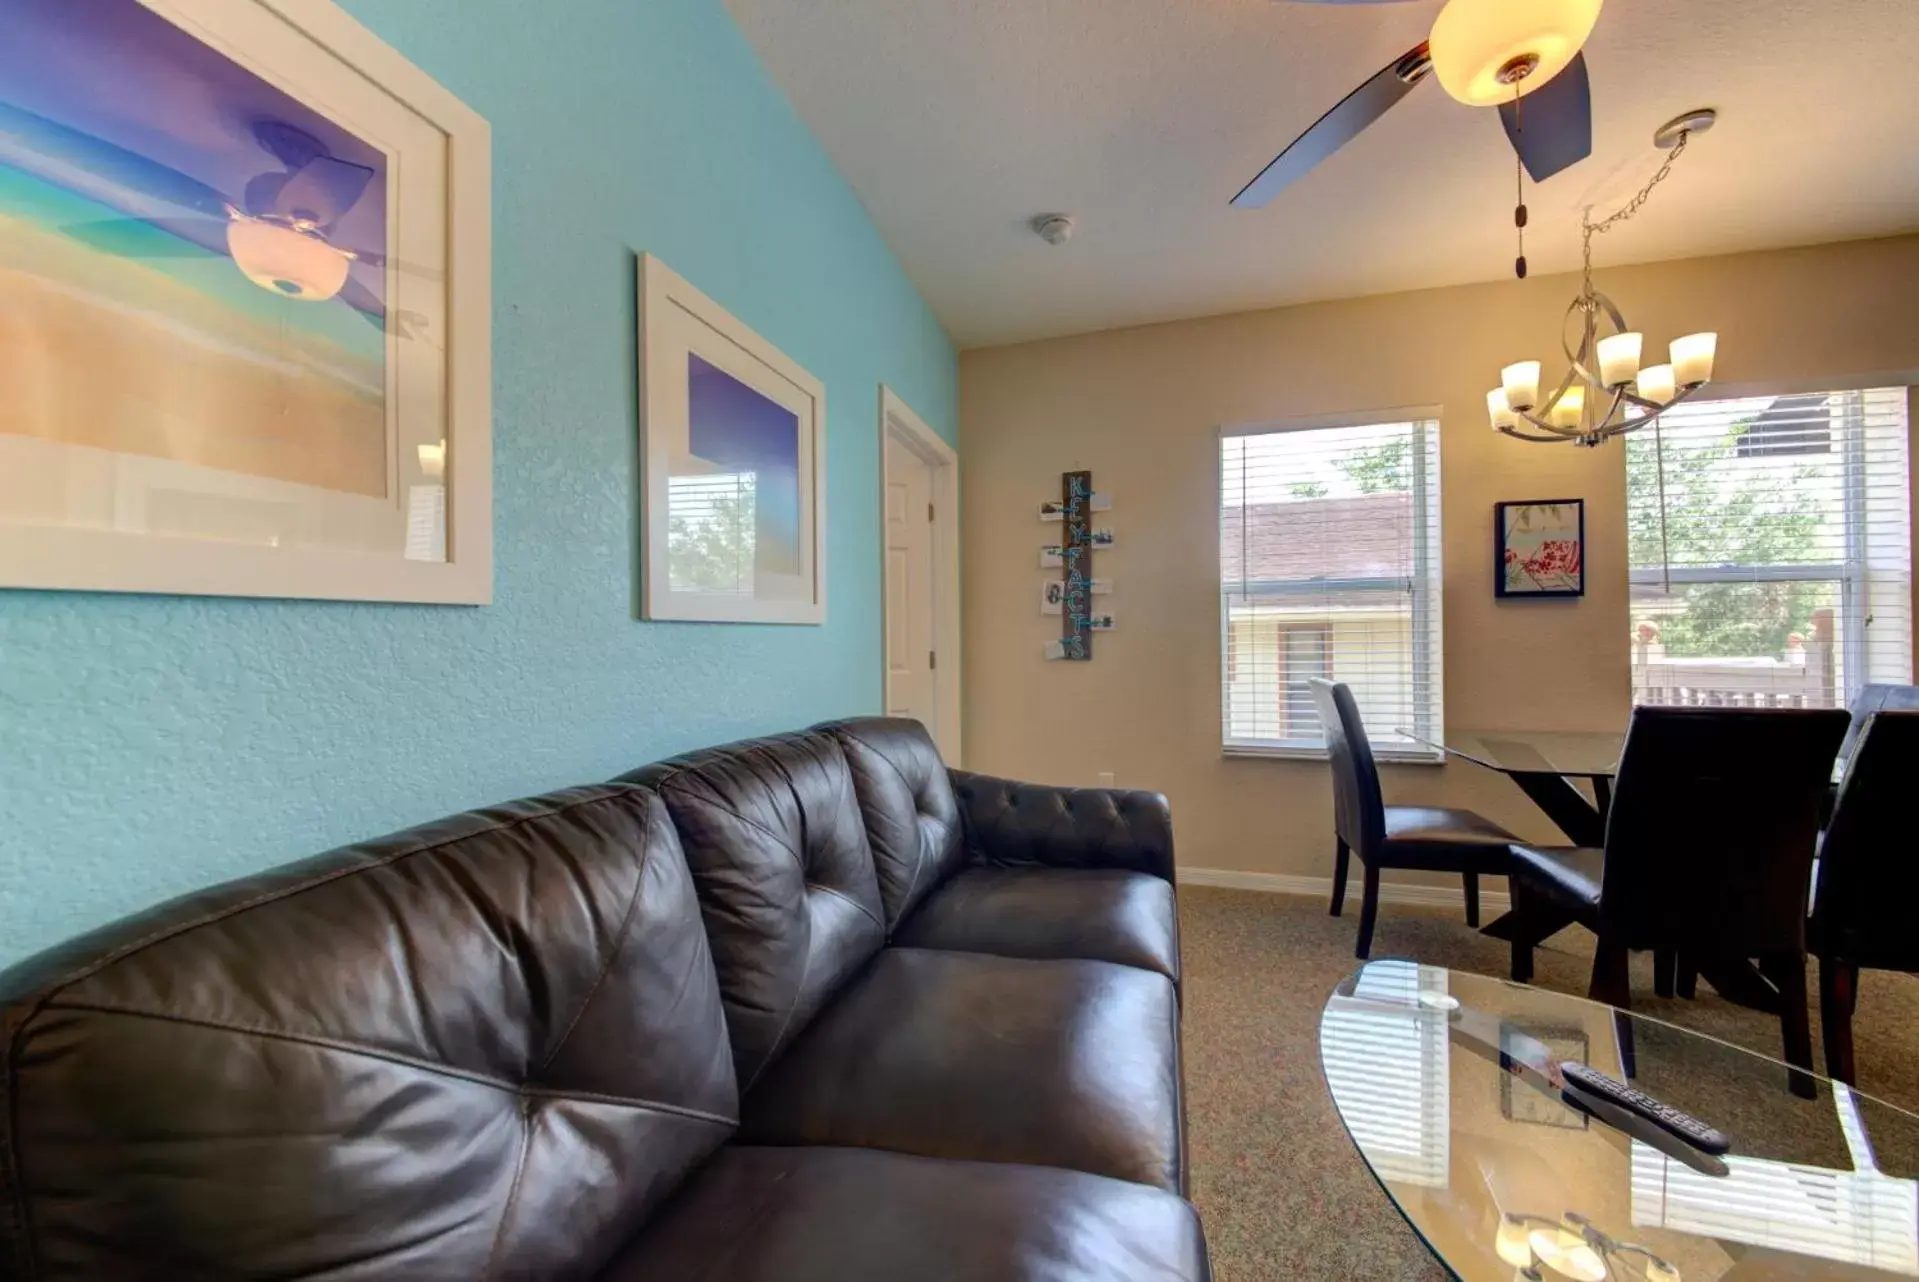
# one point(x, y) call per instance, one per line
point(1539, 548)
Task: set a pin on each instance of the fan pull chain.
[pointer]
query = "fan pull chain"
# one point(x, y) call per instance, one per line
point(1519, 183)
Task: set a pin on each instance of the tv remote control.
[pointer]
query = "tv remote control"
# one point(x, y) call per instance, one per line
point(1667, 1118)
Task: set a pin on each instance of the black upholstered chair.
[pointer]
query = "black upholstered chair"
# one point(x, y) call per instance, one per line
point(1708, 853)
point(1872, 698)
point(1431, 838)
point(1868, 877)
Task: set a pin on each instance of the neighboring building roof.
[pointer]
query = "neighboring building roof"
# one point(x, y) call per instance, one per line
point(1367, 537)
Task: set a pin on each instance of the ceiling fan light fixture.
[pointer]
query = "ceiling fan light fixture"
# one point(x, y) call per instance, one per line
point(286, 262)
point(1486, 51)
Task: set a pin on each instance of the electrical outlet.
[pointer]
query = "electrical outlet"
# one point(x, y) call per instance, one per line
point(1105, 778)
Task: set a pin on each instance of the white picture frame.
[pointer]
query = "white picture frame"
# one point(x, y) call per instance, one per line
point(435, 330)
point(683, 331)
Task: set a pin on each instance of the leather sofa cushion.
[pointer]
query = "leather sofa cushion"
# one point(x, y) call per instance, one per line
point(1100, 914)
point(964, 1055)
point(1011, 822)
point(495, 1038)
point(912, 818)
point(859, 1215)
point(777, 845)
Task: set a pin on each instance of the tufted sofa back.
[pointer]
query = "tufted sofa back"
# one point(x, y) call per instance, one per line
point(483, 1048)
point(906, 798)
point(774, 836)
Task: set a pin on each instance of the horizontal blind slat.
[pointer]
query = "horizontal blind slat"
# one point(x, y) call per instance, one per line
point(1328, 558)
point(1787, 537)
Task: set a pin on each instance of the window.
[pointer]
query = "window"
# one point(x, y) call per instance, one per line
point(711, 527)
point(1329, 567)
point(1385, 1054)
point(1788, 531)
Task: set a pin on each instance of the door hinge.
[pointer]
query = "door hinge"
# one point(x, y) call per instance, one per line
point(929, 512)
point(932, 661)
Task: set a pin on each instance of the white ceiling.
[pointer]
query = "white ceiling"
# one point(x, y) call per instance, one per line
point(956, 121)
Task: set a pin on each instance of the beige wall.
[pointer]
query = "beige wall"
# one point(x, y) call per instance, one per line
point(1141, 408)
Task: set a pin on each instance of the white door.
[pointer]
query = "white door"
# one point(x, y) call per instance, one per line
point(911, 599)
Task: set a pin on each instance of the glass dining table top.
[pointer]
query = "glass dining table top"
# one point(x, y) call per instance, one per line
point(1449, 1085)
point(1560, 752)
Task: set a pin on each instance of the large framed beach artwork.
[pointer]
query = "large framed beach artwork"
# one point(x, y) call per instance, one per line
point(244, 307)
point(734, 452)
point(1539, 548)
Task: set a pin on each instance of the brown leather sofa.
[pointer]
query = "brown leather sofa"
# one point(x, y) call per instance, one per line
point(804, 1008)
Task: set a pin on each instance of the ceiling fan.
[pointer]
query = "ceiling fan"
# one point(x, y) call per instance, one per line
point(279, 229)
point(1522, 56)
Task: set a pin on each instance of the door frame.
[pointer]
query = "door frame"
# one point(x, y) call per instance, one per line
point(898, 422)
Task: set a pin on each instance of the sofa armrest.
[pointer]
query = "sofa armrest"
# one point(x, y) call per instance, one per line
point(1009, 822)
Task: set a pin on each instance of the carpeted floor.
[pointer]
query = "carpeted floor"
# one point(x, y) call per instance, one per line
point(1282, 1191)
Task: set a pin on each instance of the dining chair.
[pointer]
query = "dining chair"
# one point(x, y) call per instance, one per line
point(1872, 698)
point(1429, 838)
point(1868, 879)
point(1708, 855)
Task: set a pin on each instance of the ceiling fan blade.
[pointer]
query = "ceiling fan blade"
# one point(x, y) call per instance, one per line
point(1338, 127)
point(135, 238)
point(1558, 122)
point(48, 149)
point(372, 259)
point(364, 301)
point(322, 190)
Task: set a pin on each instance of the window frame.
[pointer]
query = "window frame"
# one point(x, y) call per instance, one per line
point(1846, 576)
point(1425, 585)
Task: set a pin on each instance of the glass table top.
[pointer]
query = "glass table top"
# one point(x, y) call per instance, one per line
point(1559, 752)
point(1448, 1085)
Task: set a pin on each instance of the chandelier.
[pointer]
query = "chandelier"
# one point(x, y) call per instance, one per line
point(1605, 391)
point(1571, 1247)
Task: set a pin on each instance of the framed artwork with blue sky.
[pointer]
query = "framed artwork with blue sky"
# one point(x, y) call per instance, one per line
point(245, 342)
point(734, 496)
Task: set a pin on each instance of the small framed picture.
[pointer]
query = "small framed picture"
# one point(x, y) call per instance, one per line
point(1539, 548)
point(1520, 1102)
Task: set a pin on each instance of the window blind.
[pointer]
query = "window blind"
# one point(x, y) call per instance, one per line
point(711, 525)
point(1385, 1055)
point(1329, 567)
point(1788, 537)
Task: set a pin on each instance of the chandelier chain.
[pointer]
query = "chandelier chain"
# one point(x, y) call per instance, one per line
point(1631, 207)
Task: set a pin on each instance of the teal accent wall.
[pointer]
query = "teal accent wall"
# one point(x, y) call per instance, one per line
point(150, 745)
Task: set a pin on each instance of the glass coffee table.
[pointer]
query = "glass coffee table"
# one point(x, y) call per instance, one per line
point(1450, 1086)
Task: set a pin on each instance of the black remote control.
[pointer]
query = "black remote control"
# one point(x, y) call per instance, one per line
point(1667, 1118)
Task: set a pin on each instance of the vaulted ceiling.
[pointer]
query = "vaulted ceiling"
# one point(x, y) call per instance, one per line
point(957, 121)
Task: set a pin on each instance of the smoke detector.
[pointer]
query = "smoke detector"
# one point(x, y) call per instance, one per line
point(1054, 229)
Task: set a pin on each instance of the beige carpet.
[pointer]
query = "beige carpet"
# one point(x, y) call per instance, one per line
point(1282, 1191)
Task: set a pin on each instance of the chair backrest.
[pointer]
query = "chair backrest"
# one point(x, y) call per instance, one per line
point(1715, 811)
point(1359, 814)
point(1875, 698)
point(1868, 877)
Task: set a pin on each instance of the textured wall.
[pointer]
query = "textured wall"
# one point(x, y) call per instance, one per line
point(149, 745)
point(1142, 408)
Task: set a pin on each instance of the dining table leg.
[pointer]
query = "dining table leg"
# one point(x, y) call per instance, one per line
point(1584, 824)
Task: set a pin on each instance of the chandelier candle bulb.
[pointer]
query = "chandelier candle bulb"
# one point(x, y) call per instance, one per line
point(1520, 382)
point(1496, 408)
point(1619, 358)
point(1692, 359)
point(1514, 1243)
point(1571, 406)
point(1656, 383)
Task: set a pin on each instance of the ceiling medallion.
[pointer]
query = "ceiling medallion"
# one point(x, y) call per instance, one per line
point(1605, 393)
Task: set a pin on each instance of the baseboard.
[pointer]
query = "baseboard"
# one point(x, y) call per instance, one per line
point(1491, 904)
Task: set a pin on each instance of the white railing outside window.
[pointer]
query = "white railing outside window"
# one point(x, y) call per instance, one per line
point(1784, 574)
